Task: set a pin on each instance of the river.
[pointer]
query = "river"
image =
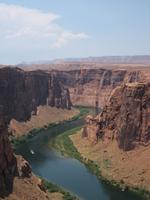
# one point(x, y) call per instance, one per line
point(67, 172)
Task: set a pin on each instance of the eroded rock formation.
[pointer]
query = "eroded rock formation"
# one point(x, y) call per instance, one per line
point(92, 87)
point(20, 94)
point(124, 118)
point(58, 95)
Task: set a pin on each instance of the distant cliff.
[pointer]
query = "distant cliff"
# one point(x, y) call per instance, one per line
point(92, 87)
point(20, 94)
point(90, 83)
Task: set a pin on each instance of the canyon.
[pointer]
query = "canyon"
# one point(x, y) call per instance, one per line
point(121, 92)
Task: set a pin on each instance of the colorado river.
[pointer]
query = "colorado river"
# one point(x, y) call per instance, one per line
point(67, 172)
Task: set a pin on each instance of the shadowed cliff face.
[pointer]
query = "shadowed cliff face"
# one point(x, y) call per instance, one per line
point(20, 94)
point(7, 160)
point(91, 87)
point(124, 118)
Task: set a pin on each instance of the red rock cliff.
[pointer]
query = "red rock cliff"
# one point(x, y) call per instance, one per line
point(20, 94)
point(92, 87)
point(124, 118)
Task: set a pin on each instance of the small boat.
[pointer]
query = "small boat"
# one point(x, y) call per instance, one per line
point(32, 152)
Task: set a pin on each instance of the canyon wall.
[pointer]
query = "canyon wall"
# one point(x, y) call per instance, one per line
point(89, 83)
point(20, 94)
point(125, 118)
point(92, 87)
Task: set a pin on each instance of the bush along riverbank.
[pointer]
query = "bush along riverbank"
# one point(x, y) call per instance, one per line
point(142, 194)
point(64, 144)
point(16, 141)
point(52, 188)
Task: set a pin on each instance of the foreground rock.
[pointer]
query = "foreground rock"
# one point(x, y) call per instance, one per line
point(21, 93)
point(27, 189)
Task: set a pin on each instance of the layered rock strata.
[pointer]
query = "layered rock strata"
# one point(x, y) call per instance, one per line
point(125, 118)
point(92, 87)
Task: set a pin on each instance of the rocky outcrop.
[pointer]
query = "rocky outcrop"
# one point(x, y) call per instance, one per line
point(58, 95)
point(23, 168)
point(125, 118)
point(20, 94)
point(8, 161)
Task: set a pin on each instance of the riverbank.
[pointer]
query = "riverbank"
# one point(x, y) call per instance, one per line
point(64, 144)
point(55, 192)
point(114, 164)
point(77, 113)
point(45, 115)
point(70, 144)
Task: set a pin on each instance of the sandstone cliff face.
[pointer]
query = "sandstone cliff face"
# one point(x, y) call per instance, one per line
point(58, 95)
point(8, 162)
point(124, 118)
point(91, 87)
point(20, 94)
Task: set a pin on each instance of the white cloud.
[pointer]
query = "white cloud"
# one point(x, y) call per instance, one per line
point(65, 37)
point(20, 22)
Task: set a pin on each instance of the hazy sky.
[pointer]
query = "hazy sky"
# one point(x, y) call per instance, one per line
point(32, 30)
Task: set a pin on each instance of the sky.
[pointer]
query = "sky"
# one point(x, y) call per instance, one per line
point(35, 30)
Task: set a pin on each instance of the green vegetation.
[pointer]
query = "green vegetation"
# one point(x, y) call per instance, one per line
point(55, 188)
point(65, 145)
point(16, 141)
point(92, 166)
point(85, 110)
point(144, 194)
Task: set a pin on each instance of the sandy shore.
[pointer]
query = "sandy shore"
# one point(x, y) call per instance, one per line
point(45, 115)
